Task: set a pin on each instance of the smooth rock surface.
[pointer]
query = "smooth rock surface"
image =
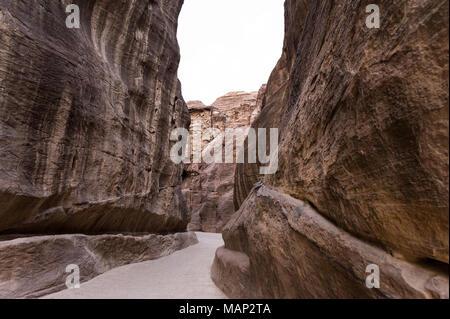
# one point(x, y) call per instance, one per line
point(86, 116)
point(363, 120)
point(35, 266)
point(184, 274)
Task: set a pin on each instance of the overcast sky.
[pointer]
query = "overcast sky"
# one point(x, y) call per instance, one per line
point(228, 45)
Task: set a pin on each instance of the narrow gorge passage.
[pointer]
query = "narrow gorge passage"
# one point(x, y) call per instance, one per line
point(184, 274)
point(324, 175)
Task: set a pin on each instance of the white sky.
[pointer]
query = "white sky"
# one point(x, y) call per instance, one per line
point(228, 45)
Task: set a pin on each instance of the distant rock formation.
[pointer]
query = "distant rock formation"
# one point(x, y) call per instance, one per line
point(363, 160)
point(208, 188)
point(86, 116)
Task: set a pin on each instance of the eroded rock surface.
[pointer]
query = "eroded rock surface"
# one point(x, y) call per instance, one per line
point(86, 116)
point(279, 247)
point(35, 266)
point(363, 120)
point(208, 188)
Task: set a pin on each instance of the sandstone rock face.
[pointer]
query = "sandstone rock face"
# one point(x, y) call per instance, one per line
point(36, 266)
point(363, 159)
point(208, 188)
point(289, 250)
point(86, 116)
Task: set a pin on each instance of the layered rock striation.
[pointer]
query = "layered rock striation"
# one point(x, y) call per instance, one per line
point(86, 116)
point(208, 188)
point(85, 120)
point(363, 160)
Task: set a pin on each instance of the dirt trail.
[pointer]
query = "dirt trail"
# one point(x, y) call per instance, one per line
point(183, 275)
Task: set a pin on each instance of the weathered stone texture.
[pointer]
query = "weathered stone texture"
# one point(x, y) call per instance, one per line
point(86, 116)
point(279, 247)
point(208, 188)
point(363, 119)
point(36, 266)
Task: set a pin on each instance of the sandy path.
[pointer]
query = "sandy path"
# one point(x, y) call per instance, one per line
point(182, 275)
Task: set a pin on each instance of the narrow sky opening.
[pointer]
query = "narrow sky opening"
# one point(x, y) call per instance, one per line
point(228, 45)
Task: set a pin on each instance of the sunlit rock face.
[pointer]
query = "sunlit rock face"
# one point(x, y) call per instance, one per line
point(86, 116)
point(363, 159)
point(208, 188)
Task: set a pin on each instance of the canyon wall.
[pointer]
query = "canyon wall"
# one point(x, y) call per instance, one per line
point(363, 160)
point(208, 188)
point(86, 116)
point(36, 266)
point(85, 121)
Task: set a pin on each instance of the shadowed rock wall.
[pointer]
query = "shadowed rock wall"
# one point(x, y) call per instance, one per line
point(86, 115)
point(36, 266)
point(363, 120)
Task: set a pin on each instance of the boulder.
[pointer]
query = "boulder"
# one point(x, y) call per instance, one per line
point(279, 247)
